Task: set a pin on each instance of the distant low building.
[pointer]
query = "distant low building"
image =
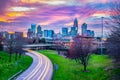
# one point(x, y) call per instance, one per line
point(4, 34)
point(58, 36)
point(18, 34)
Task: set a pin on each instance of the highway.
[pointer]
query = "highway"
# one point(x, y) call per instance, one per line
point(40, 69)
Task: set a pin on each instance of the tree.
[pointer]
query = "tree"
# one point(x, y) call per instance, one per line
point(59, 46)
point(10, 43)
point(42, 40)
point(1, 39)
point(19, 42)
point(80, 50)
point(113, 42)
point(114, 38)
point(1, 46)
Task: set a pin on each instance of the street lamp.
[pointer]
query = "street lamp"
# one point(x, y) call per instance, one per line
point(102, 36)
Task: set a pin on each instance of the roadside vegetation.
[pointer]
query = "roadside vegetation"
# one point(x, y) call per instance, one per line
point(68, 69)
point(8, 69)
point(113, 42)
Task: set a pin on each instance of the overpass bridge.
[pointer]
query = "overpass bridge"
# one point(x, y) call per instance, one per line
point(44, 46)
point(38, 45)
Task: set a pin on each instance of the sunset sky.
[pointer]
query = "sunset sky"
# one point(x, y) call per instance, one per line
point(18, 15)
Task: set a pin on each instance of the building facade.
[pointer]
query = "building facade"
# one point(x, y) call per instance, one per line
point(74, 29)
point(18, 34)
point(30, 33)
point(33, 28)
point(86, 32)
point(50, 33)
point(45, 33)
point(39, 31)
point(76, 25)
point(64, 31)
point(84, 29)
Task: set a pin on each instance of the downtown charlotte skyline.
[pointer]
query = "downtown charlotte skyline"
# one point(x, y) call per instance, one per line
point(18, 15)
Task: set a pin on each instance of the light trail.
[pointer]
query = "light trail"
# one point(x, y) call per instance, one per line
point(36, 68)
point(44, 71)
point(43, 68)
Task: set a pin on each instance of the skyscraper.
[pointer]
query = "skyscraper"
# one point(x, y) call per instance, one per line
point(33, 27)
point(39, 31)
point(76, 25)
point(30, 33)
point(86, 32)
point(92, 33)
point(45, 33)
point(74, 29)
point(64, 31)
point(84, 29)
point(50, 33)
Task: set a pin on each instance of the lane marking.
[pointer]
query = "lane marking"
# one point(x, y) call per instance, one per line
point(43, 69)
point(30, 75)
point(46, 70)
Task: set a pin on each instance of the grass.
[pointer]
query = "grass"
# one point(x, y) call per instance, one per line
point(8, 69)
point(116, 74)
point(70, 70)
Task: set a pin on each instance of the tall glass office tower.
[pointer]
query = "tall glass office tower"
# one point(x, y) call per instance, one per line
point(84, 29)
point(33, 28)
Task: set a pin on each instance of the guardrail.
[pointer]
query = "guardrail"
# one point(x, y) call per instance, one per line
point(15, 75)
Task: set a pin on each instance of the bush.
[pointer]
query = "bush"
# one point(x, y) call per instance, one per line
point(1, 47)
point(98, 51)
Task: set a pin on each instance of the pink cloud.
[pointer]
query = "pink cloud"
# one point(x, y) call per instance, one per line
point(51, 15)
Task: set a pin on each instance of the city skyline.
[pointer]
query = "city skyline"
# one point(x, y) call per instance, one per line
point(18, 15)
point(36, 31)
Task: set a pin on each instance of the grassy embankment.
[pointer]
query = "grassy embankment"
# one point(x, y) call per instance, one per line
point(70, 70)
point(8, 69)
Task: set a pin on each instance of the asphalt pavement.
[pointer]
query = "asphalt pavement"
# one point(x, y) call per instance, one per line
point(40, 69)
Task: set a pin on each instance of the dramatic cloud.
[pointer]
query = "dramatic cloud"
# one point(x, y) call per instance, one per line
point(52, 14)
point(4, 4)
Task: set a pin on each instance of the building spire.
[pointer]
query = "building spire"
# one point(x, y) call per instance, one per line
point(76, 24)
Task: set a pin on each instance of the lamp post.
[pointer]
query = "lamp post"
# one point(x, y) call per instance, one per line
point(102, 36)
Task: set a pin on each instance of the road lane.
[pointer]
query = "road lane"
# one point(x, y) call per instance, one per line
point(41, 68)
